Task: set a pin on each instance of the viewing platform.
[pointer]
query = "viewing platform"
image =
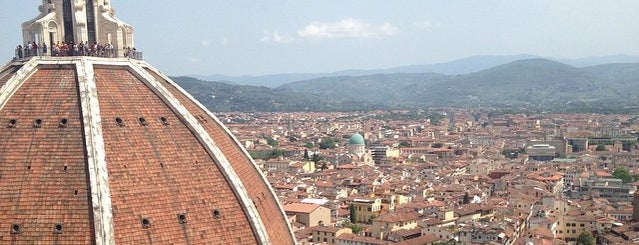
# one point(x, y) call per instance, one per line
point(109, 53)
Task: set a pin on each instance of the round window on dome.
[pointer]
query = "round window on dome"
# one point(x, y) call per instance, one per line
point(16, 229)
point(119, 122)
point(64, 122)
point(142, 121)
point(182, 218)
point(57, 228)
point(12, 123)
point(146, 222)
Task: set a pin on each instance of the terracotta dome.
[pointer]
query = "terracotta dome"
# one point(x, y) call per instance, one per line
point(111, 151)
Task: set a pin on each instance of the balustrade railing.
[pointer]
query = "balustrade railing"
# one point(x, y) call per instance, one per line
point(21, 54)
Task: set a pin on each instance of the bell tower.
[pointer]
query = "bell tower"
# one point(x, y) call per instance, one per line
point(77, 21)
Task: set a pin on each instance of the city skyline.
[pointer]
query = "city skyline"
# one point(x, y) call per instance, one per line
point(254, 38)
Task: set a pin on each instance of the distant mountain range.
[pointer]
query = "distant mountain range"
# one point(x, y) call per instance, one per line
point(456, 67)
point(529, 84)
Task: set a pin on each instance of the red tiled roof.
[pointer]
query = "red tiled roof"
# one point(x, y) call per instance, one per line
point(367, 240)
point(423, 240)
point(301, 207)
point(602, 173)
point(398, 217)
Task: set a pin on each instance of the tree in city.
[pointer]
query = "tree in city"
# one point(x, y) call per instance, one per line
point(623, 174)
point(356, 228)
point(276, 153)
point(272, 142)
point(586, 238)
point(316, 158)
point(329, 143)
point(353, 214)
point(309, 145)
point(601, 147)
point(404, 144)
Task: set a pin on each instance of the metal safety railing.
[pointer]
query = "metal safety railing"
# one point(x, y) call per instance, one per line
point(26, 53)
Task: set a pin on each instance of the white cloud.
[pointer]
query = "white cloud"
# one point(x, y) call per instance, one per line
point(205, 43)
point(276, 37)
point(346, 28)
point(427, 25)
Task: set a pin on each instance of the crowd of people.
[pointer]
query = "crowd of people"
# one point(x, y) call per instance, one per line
point(72, 49)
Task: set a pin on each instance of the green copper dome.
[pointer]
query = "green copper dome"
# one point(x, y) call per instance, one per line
point(356, 139)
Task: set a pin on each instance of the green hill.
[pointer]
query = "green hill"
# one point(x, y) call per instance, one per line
point(218, 96)
point(527, 83)
point(388, 89)
point(535, 84)
point(616, 73)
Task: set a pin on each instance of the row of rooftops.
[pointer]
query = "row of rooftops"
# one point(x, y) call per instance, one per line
point(495, 180)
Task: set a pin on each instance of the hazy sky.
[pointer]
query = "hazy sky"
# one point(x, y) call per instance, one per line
point(252, 37)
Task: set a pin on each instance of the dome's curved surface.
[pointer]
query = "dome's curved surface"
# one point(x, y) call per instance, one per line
point(110, 151)
point(356, 139)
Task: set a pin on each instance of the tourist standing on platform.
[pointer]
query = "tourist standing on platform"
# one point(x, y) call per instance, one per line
point(55, 50)
point(30, 48)
point(81, 49)
point(76, 50)
point(19, 52)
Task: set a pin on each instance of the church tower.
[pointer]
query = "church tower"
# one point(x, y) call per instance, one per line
point(78, 21)
point(111, 151)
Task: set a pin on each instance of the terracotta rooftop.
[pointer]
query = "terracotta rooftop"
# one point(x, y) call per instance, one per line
point(301, 207)
point(398, 217)
point(361, 239)
point(423, 240)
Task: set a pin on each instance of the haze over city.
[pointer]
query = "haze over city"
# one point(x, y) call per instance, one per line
point(267, 37)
